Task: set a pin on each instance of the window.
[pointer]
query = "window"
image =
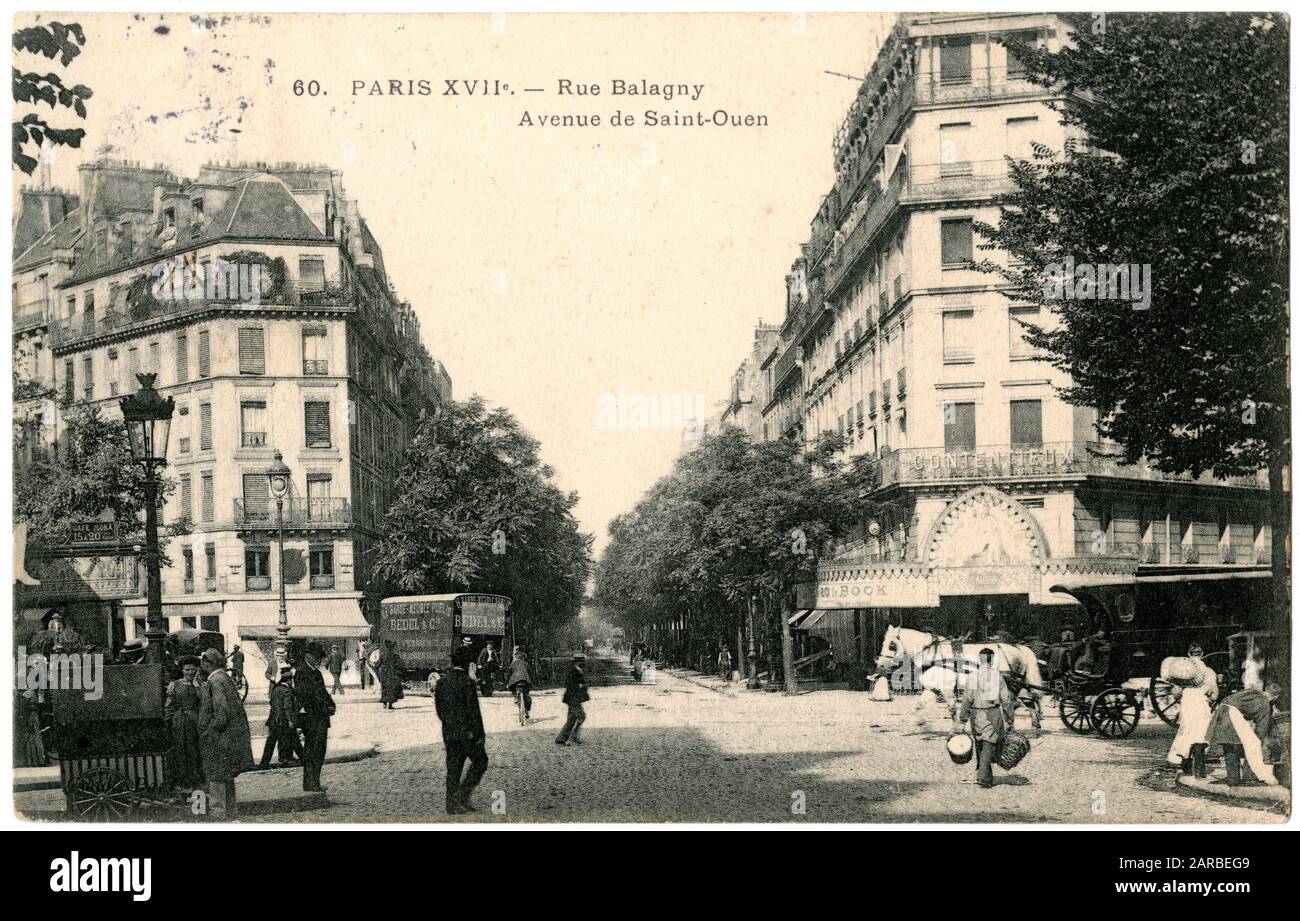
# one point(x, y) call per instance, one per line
point(318, 495)
point(69, 380)
point(197, 205)
point(155, 358)
point(252, 350)
point(114, 372)
point(954, 60)
point(187, 499)
point(257, 569)
point(210, 622)
point(314, 357)
point(252, 423)
point(72, 306)
point(959, 426)
point(210, 557)
point(88, 377)
point(187, 554)
point(183, 429)
point(311, 273)
point(132, 365)
point(126, 239)
point(182, 359)
point(954, 146)
point(957, 245)
point(1026, 423)
point(958, 329)
point(257, 497)
point(205, 355)
point(208, 511)
point(169, 217)
point(1020, 137)
point(88, 314)
point(1015, 67)
point(322, 567)
point(317, 421)
point(205, 426)
point(1018, 316)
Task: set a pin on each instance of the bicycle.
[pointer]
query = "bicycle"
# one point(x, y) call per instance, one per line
point(522, 700)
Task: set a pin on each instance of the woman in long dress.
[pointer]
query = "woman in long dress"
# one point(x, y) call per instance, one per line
point(182, 713)
point(390, 677)
point(1195, 711)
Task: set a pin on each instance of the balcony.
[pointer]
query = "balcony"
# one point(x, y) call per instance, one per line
point(299, 513)
point(30, 315)
point(984, 83)
point(1071, 460)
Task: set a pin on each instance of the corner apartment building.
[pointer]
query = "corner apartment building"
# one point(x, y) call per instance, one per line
point(990, 489)
point(289, 338)
point(744, 408)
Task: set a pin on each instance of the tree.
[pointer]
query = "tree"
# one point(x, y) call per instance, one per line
point(91, 476)
point(734, 522)
point(1184, 171)
point(54, 40)
point(476, 509)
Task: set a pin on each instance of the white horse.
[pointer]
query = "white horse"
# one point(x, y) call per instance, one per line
point(941, 670)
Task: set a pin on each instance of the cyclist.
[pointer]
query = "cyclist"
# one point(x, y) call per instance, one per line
point(520, 680)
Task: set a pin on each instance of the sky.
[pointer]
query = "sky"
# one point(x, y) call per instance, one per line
point(554, 269)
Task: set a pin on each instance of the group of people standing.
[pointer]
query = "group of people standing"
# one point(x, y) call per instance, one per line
point(211, 740)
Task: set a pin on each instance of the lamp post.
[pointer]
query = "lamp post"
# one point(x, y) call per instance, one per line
point(279, 475)
point(148, 419)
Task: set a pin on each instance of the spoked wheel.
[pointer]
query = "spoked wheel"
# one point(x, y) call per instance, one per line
point(1166, 700)
point(240, 682)
point(1074, 714)
point(101, 795)
point(1115, 713)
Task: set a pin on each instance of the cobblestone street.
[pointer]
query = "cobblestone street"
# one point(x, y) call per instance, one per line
point(678, 751)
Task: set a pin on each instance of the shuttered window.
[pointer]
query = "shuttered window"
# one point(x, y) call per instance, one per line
point(316, 416)
point(183, 429)
point(210, 553)
point(155, 358)
point(182, 359)
point(205, 426)
point(257, 496)
point(187, 500)
point(205, 354)
point(1026, 423)
point(69, 380)
point(88, 377)
point(958, 336)
point(252, 350)
point(959, 426)
point(314, 358)
point(311, 274)
point(208, 511)
point(957, 244)
point(954, 59)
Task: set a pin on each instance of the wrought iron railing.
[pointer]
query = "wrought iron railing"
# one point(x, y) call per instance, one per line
point(298, 513)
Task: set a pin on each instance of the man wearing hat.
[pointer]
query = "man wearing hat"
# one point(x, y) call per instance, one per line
point(575, 695)
point(225, 745)
point(984, 703)
point(462, 731)
point(282, 724)
point(315, 707)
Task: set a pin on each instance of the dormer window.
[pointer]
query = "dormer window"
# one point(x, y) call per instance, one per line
point(197, 204)
point(169, 218)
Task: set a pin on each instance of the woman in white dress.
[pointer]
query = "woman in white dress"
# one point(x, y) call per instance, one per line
point(1197, 708)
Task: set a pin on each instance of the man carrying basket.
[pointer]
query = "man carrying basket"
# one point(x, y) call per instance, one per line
point(984, 705)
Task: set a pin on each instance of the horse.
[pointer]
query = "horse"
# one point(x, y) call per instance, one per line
point(942, 671)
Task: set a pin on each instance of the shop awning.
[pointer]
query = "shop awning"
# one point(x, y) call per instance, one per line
point(813, 618)
point(308, 618)
point(797, 616)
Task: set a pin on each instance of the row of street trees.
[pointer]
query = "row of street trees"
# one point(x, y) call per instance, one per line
point(712, 552)
point(477, 510)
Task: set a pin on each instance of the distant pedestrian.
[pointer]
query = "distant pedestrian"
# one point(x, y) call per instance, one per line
point(237, 660)
point(315, 707)
point(181, 711)
point(363, 651)
point(575, 695)
point(335, 665)
point(225, 745)
point(390, 676)
point(724, 663)
point(282, 723)
point(984, 705)
point(463, 737)
point(520, 680)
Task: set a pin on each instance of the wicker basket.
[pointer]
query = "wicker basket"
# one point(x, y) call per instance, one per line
point(1013, 749)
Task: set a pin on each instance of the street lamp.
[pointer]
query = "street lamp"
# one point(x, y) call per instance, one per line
point(279, 476)
point(148, 419)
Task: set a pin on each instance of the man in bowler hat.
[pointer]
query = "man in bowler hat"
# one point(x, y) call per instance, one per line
point(462, 731)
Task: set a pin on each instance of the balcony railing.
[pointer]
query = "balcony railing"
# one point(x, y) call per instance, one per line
point(298, 513)
point(983, 83)
point(30, 314)
point(1007, 462)
point(1157, 552)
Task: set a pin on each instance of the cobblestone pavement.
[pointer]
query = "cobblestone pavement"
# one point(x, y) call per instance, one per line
point(677, 751)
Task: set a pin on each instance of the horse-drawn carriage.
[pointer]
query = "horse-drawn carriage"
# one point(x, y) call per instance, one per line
point(1102, 682)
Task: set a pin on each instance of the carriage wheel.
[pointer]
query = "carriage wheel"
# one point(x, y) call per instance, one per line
point(1115, 713)
point(1074, 713)
point(1166, 700)
point(101, 795)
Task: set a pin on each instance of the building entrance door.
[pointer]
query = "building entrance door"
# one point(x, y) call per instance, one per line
point(981, 616)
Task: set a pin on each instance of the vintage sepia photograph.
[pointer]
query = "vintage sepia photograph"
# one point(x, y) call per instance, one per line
point(660, 419)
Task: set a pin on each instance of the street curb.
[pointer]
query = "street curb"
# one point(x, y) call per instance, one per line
point(697, 679)
point(370, 750)
point(1237, 795)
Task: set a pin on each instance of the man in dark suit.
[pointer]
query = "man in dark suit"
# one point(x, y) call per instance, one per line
point(462, 731)
point(315, 709)
point(575, 695)
point(282, 724)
